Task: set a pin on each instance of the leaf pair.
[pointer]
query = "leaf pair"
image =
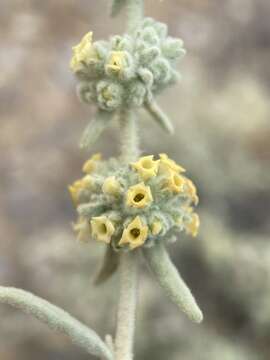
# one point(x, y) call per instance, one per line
point(102, 119)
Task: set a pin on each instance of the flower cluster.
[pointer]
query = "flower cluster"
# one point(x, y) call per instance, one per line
point(136, 204)
point(126, 70)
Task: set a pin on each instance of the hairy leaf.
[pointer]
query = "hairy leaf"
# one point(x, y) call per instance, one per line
point(57, 319)
point(170, 280)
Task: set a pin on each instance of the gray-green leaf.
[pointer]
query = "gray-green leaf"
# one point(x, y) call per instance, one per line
point(170, 280)
point(57, 319)
point(117, 6)
point(108, 267)
point(95, 129)
point(159, 116)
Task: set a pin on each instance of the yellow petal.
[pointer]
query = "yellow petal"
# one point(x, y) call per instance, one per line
point(102, 228)
point(82, 228)
point(192, 191)
point(146, 167)
point(156, 227)
point(173, 182)
point(193, 227)
point(168, 164)
point(111, 186)
point(83, 53)
point(91, 164)
point(139, 196)
point(135, 234)
point(116, 61)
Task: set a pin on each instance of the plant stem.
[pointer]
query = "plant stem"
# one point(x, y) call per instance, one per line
point(127, 306)
point(135, 11)
point(128, 267)
point(130, 141)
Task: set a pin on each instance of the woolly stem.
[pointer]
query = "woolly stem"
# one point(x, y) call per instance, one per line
point(130, 140)
point(135, 11)
point(128, 267)
point(125, 330)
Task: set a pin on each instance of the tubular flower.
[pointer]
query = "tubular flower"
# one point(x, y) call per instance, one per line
point(156, 227)
point(193, 226)
point(174, 182)
point(139, 196)
point(111, 186)
point(135, 234)
point(82, 228)
point(168, 164)
point(116, 62)
point(192, 191)
point(83, 54)
point(146, 167)
point(102, 228)
point(91, 164)
point(77, 186)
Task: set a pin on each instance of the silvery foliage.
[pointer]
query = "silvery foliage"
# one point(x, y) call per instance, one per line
point(149, 66)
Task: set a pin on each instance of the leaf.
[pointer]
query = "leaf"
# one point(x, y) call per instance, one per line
point(170, 280)
point(108, 267)
point(159, 116)
point(117, 6)
point(95, 129)
point(57, 319)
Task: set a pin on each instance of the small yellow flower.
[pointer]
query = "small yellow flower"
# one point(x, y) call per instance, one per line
point(102, 228)
point(135, 234)
point(168, 164)
point(111, 186)
point(116, 61)
point(83, 53)
point(174, 182)
point(107, 95)
point(82, 228)
point(146, 167)
point(87, 182)
point(139, 196)
point(156, 227)
point(193, 226)
point(179, 221)
point(192, 191)
point(91, 164)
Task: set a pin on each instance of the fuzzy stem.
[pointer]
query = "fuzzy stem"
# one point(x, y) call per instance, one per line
point(135, 11)
point(130, 141)
point(127, 306)
point(128, 267)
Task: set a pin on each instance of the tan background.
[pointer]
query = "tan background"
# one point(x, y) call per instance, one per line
point(221, 112)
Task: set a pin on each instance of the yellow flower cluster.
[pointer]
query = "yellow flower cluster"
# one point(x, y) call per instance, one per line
point(83, 53)
point(132, 198)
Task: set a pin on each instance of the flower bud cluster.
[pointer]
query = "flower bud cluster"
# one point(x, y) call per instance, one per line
point(135, 204)
point(127, 70)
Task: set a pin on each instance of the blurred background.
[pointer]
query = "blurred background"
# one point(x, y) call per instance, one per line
point(221, 112)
